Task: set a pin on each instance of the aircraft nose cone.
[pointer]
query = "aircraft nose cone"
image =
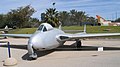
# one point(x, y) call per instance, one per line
point(36, 41)
point(32, 40)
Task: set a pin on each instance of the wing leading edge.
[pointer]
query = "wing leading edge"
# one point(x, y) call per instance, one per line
point(65, 37)
point(17, 35)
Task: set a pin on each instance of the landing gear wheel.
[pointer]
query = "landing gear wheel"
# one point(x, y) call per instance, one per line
point(78, 43)
point(33, 56)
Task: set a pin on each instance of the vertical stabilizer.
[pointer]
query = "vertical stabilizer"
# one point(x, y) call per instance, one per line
point(84, 28)
point(103, 22)
point(6, 27)
point(100, 19)
point(60, 24)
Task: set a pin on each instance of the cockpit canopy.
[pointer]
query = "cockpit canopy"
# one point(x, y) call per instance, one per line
point(44, 27)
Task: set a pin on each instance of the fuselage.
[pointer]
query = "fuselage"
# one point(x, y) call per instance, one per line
point(45, 40)
point(105, 23)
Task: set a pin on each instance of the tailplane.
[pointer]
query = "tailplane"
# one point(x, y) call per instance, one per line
point(6, 29)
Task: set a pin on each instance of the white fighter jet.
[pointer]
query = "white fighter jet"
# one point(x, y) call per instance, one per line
point(5, 30)
point(46, 37)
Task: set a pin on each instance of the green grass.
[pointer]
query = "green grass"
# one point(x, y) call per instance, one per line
point(95, 29)
point(23, 31)
point(90, 29)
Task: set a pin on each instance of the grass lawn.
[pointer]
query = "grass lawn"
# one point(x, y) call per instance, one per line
point(22, 31)
point(90, 29)
point(95, 29)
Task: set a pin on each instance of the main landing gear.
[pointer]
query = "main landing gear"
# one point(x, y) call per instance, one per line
point(78, 43)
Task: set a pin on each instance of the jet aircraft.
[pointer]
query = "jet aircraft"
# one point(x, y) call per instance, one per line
point(6, 29)
point(104, 22)
point(46, 37)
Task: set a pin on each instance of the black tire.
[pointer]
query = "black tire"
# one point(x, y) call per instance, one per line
point(78, 43)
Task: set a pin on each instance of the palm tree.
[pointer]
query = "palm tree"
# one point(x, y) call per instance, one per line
point(73, 14)
point(81, 17)
point(64, 18)
point(51, 16)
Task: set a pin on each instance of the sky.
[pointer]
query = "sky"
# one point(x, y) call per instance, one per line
point(108, 9)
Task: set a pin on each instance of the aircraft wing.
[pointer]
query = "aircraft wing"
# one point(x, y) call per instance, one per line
point(5, 29)
point(73, 31)
point(2, 29)
point(65, 37)
point(17, 35)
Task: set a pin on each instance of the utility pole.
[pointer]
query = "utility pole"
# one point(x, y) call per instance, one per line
point(116, 15)
point(112, 17)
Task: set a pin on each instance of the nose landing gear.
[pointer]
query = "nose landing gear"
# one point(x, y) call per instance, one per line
point(31, 52)
point(33, 56)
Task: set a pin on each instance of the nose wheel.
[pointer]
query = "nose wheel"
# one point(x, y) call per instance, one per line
point(78, 43)
point(33, 56)
point(31, 52)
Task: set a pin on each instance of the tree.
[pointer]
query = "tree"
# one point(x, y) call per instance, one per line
point(73, 17)
point(117, 20)
point(92, 20)
point(81, 17)
point(1, 20)
point(51, 17)
point(64, 17)
point(34, 22)
point(20, 17)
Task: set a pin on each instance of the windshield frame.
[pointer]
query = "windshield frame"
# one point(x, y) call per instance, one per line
point(42, 28)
